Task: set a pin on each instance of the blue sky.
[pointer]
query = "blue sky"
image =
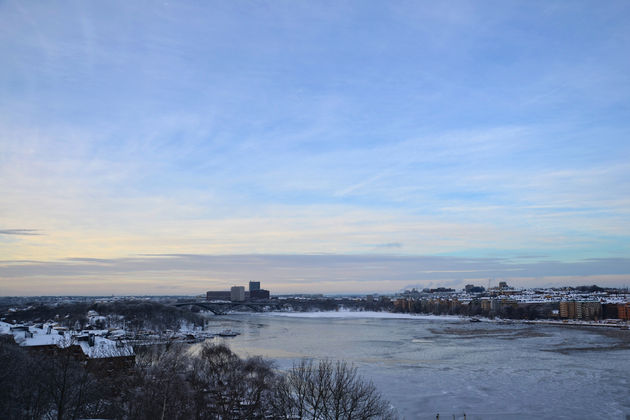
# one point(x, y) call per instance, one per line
point(275, 133)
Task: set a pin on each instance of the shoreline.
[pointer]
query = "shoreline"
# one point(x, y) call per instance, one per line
point(576, 323)
point(349, 314)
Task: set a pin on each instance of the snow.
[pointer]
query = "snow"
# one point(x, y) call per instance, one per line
point(5, 327)
point(186, 327)
point(43, 339)
point(103, 347)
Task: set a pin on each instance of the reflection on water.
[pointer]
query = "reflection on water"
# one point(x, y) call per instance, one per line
point(450, 366)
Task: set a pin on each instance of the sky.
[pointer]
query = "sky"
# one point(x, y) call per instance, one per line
point(315, 146)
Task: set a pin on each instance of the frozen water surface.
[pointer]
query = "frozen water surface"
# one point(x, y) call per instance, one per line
point(447, 365)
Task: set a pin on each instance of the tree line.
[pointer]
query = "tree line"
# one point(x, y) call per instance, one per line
point(182, 382)
point(134, 314)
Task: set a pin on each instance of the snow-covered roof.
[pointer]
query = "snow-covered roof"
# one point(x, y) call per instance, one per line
point(39, 336)
point(104, 347)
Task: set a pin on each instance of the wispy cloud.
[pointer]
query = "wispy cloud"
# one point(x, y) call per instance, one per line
point(20, 232)
point(389, 245)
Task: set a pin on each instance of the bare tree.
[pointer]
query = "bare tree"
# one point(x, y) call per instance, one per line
point(22, 396)
point(158, 389)
point(228, 387)
point(328, 390)
point(73, 391)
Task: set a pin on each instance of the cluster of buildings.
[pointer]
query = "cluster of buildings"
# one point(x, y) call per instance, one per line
point(239, 294)
point(505, 301)
point(593, 310)
point(96, 347)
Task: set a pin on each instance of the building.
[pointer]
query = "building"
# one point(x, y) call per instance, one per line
point(486, 305)
point(591, 310)
point(623, 310)
point(218, 295)
point(237, 294)
point(563, 308)
point(609, 310)
point(471, 288)
point(403, 305)
point(581, 310)
point(259, 294)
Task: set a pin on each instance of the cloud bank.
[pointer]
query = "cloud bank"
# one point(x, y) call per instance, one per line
point(194, 274)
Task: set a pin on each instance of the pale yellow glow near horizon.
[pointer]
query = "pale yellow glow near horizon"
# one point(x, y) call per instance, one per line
point(351, 233)
point(197, 282)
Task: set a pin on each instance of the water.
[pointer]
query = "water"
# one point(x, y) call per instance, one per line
point(451, 366)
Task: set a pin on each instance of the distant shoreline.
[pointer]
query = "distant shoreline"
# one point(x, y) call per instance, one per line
point(350, 314)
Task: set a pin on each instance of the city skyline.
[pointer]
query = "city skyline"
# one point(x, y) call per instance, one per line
point(315, 147)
